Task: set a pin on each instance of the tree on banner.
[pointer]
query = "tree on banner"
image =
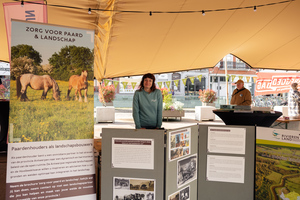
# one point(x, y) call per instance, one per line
point(72, 60)
point(23, 50)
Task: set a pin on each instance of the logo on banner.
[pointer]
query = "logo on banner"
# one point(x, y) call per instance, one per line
point(276, 135)
point(286, 137)
point(184, 81)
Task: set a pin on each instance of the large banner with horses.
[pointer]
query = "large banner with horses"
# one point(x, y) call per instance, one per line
point(51, 131)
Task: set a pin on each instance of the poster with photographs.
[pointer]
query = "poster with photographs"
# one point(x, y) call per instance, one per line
point(133, 189)
point(183, 194)
point(179, 143)
point(186, 170)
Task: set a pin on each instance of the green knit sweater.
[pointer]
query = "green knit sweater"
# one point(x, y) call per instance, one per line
point(147, 109)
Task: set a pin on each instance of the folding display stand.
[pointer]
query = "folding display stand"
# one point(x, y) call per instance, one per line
point(196, 162)
point(225, 190)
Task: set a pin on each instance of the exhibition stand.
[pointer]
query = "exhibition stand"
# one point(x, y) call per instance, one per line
point(195, 162)
point(200, 162)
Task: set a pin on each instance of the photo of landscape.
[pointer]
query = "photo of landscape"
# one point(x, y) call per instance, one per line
point(277, 171)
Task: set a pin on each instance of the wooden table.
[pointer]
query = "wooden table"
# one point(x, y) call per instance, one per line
point(283, 123)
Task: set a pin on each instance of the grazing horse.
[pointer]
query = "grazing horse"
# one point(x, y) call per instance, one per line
point(36, 82)
point(78, 83)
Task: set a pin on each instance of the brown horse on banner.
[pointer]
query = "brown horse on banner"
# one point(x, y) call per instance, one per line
point(36, 82)
point(78, 83)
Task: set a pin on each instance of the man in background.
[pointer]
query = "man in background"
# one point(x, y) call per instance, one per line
point(241, 95)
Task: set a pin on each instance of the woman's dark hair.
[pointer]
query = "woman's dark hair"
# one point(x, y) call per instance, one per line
point(0, 81)
point(151, 76)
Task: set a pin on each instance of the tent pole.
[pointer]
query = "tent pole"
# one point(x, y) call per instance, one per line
point(226, 79)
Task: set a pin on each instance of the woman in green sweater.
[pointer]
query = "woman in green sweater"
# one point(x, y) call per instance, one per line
point(147, 104)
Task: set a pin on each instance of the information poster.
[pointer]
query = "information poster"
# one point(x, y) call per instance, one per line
point(186, 170)
point(132, 153)
point(50, 152)
point(183, 194)
point(179, 143)
point(133, 188)
point(277, 164)
point(225, 169)
point(226, 140)
point(50, 170)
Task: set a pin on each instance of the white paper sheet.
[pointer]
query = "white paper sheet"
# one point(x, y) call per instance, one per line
point(226, 140)
point(134, 153)
point(225, 169)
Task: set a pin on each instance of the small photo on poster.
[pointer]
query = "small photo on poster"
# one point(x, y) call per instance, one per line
point(179, 143)
point(133, 189)
point(186, 170)
point(183, 194)
point(174, 196)
point(121, 183)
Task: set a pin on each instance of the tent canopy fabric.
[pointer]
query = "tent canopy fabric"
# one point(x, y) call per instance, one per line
point(133, 43)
